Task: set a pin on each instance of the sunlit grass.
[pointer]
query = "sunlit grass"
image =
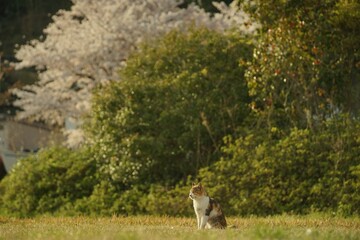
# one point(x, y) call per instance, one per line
point(145, 227)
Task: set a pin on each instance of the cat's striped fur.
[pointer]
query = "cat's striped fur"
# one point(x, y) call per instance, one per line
point(208, 211)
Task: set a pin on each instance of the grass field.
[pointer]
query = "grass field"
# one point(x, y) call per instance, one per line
point(143, 227)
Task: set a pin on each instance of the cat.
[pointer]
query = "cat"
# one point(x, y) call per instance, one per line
point(208, 211)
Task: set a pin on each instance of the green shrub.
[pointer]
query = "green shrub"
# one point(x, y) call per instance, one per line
point(162, 122)
point(177, 98)
point(306, 62)
point(170, 201)
point(302, 172)
point(152, 199)
point(50, 181)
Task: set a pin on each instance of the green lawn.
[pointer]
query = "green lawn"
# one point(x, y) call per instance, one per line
point(280, 227)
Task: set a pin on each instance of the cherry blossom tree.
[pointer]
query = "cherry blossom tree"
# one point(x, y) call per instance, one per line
point(88, 44)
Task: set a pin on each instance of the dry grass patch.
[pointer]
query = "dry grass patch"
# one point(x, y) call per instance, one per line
point(150, 227)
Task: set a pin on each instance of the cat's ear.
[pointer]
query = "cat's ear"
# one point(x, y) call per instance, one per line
point(193, 184)
point(200, 185)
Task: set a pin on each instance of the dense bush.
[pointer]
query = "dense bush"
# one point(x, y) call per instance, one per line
point(306, 62)
point(65, 182)
point(154, 199)
point(171, 201)
point(302, 172)
point(165, 120)
point(177, 98)
point(289, 147)
point(50, 181)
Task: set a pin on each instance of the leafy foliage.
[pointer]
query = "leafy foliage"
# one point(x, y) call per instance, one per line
point(49, 181)
point(302, 172)
point(286, 108)
point(305, 66)
point(146, 132)
point(178, 98)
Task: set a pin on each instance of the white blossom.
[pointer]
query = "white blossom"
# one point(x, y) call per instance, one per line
point(88, 44)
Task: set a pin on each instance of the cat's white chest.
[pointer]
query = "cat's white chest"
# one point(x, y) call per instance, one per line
point(201, 204)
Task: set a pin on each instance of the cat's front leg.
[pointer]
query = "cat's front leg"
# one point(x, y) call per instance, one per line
point(198, 218)
point(204, 220)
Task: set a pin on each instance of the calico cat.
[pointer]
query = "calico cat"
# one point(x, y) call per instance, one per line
point(207, 210)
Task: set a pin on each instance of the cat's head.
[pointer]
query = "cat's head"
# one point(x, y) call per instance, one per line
point(196, 191)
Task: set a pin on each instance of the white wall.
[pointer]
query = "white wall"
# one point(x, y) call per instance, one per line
point(19, 139)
